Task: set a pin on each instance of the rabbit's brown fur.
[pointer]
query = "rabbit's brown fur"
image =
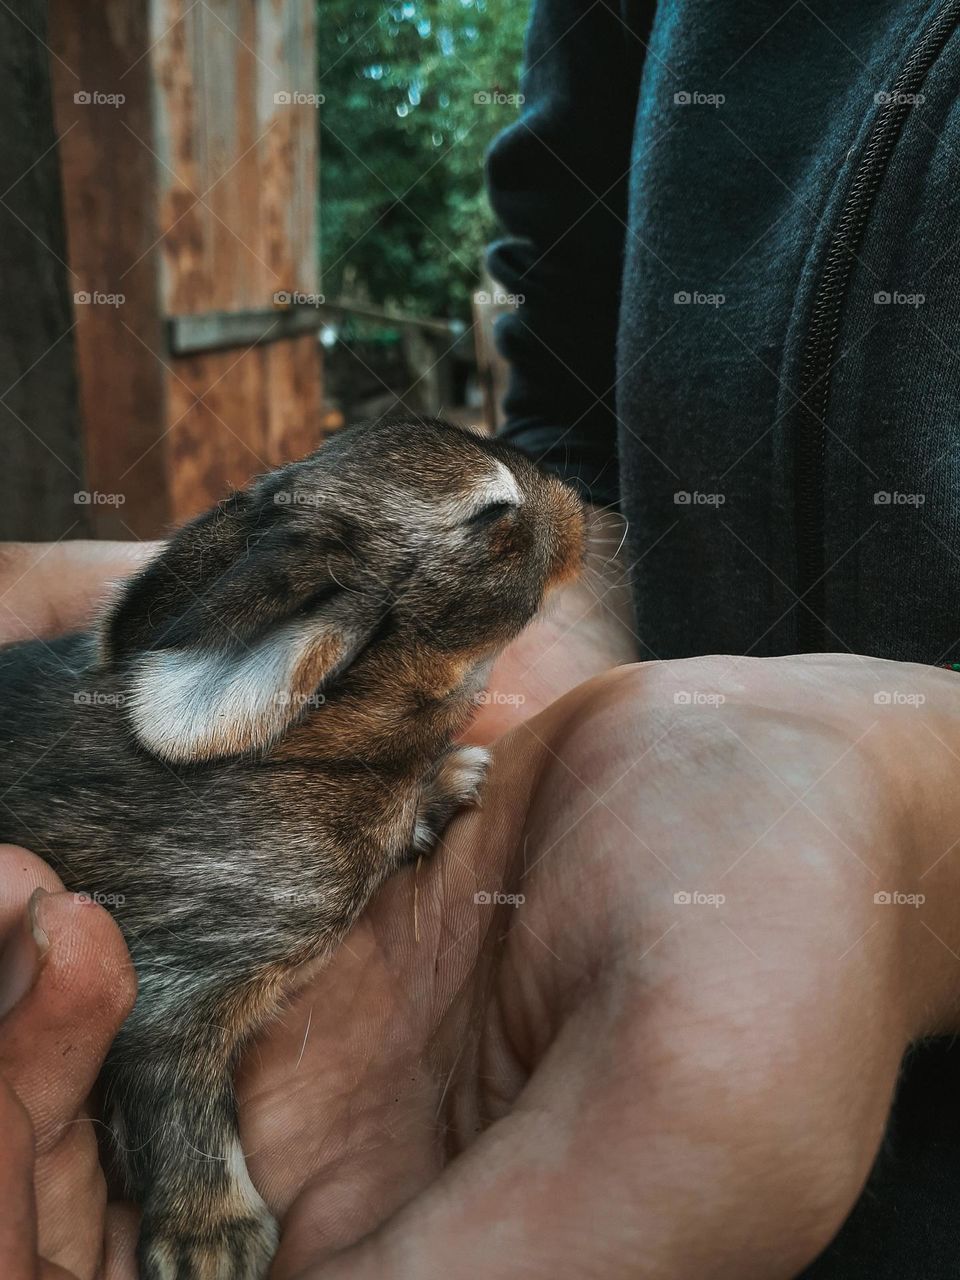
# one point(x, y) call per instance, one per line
point(258, 735)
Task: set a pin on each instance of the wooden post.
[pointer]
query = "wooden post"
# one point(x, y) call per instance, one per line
point(188, 146)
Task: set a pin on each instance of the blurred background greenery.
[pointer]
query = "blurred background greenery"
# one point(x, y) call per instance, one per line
point(414, 94)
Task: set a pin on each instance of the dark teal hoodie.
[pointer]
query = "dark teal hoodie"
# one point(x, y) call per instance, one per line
point(735, 227)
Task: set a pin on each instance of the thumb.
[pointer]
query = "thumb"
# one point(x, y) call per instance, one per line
point(66, 985)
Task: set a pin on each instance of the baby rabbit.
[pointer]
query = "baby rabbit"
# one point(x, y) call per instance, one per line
point(257, 735)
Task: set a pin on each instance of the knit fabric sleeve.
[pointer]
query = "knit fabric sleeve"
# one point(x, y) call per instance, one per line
point(558, 181)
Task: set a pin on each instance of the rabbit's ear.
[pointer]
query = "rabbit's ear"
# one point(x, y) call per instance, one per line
point(150, 607)
point(221, 655)
point(196, 704)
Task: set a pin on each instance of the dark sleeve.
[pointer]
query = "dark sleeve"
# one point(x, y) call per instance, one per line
point(558, 182)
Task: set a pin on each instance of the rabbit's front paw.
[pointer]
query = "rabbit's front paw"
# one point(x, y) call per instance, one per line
point(234, 1249)
point(462, 774)
point(455, 783)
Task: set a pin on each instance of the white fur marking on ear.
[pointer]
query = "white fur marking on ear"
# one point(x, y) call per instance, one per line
point(190, 705)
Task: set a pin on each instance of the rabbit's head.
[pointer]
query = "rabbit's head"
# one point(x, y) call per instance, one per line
point(414, 550)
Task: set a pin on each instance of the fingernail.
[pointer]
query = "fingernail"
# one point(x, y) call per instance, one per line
point(36, 928)
point(23, 954)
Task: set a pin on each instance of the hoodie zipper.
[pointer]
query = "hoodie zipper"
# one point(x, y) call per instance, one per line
point(823, 334)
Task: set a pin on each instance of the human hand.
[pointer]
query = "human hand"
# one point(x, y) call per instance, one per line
point(66, 984)
point(48, 588)
point(607, 1080)
point(630, 1087)
point(59, 1007)
point(612, 1076)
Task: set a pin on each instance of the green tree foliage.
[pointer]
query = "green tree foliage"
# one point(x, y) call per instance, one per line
point(403, 212)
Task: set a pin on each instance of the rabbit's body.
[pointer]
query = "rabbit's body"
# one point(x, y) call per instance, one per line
point(251, 745)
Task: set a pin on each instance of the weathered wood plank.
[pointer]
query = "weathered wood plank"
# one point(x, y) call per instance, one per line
point(255, 157)
point(220, 329)
point(175, 55)
point(218, 427)
point(238, 161)
point(293, 400)
point(109, 185)
point(212, 331)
